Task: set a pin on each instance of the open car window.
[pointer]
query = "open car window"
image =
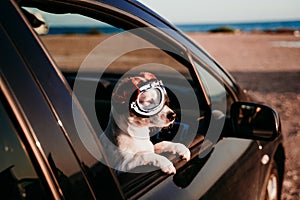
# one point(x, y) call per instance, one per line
point(95, 57)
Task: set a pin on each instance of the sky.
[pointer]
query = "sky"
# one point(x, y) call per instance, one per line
point(214, 11)
point(205, 11)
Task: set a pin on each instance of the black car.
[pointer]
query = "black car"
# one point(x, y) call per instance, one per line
point(55, 100)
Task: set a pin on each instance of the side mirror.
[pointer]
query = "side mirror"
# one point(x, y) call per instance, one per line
point(255, 121)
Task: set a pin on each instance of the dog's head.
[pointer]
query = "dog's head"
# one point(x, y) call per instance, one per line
point(145, 97)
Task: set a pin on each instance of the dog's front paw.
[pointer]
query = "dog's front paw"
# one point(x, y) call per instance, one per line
point(183, 151)
point(186, 155)
point(166, 165)
point(169, 169)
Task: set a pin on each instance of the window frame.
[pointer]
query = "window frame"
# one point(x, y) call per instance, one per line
point(15, 69)
point(13, 106)
point(217, 77)
point(26, 140)
point(229, 89)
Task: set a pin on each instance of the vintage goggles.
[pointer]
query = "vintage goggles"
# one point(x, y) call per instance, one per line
point(150, 99)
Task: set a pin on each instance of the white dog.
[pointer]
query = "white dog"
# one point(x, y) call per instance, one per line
point(139, 103)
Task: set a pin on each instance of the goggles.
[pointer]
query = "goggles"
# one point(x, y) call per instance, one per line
point(150, 99)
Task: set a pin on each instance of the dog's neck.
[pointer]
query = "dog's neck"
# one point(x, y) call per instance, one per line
point(141, 133)
point(127, 127)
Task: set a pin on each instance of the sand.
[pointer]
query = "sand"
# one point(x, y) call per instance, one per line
point(266, 65)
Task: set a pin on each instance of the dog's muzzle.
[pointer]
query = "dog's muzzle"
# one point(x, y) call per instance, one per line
point(155, 104)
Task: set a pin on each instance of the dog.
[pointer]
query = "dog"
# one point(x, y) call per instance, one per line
point(139, 103)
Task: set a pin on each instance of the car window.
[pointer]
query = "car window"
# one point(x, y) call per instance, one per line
point(18, 178)
point(95, 62)
point(220, 98)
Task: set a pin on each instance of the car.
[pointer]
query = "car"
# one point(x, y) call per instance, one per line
point(55, 100)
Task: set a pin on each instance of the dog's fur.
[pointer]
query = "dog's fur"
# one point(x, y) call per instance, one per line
point(127, 141)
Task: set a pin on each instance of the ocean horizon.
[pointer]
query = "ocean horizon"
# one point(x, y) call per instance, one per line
point(242, 26)
point(201, 27)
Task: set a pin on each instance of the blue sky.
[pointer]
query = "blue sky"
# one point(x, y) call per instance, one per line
point(205, 11)
point(210, 11)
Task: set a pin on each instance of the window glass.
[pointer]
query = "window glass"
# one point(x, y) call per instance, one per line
point(220, 99)
point(68, 37)
point(18, 179)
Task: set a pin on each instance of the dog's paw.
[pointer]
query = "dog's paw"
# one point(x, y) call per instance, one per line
point(183, 151)
point(169, 169)
point(166, 165)
point(186, 155)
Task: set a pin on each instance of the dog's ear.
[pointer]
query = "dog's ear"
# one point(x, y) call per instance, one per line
point(136, 81)
point(120, 93)
point(148, 76)
point(125, 89)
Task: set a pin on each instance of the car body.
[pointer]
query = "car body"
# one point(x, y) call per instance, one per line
point(49, 147)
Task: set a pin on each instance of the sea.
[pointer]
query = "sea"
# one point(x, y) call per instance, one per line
point(245, 27)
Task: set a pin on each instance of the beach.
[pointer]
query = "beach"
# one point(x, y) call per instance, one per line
point(267, 66)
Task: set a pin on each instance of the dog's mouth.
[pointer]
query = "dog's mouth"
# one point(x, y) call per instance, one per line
point(170, 124)
point(171, 116)
point(168, 119)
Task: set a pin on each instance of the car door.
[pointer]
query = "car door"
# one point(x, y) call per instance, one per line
point(217, 165)
point(224, 168)
point(244, 172)
point(25, 73)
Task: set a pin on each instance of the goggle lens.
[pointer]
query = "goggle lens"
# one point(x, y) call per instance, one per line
point(150, 99)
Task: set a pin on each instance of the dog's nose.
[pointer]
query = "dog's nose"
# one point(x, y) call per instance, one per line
point(171, 116)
